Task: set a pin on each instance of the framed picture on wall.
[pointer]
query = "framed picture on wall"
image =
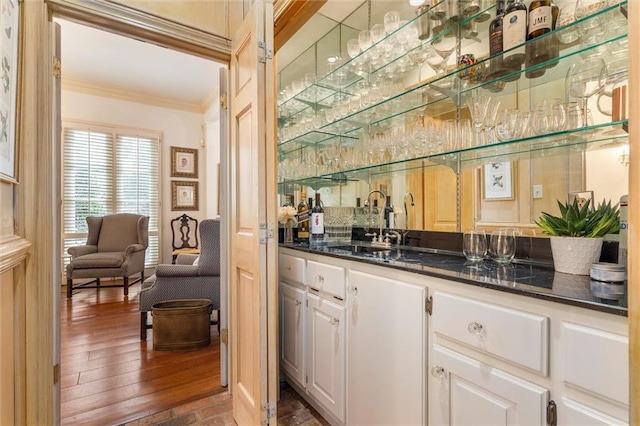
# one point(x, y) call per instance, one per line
point(9, 94)
point(184, 162)
point(184, 195)
point(497, 181)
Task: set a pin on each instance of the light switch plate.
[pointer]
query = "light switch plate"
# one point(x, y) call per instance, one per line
point(537, 191)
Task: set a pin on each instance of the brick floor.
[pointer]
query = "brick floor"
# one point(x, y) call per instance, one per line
point(216, 410)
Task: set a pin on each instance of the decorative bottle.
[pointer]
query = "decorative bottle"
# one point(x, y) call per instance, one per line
point(514, 34)
point(317, 223)
point(496, 65)
point(540, 23)
point(303, 219)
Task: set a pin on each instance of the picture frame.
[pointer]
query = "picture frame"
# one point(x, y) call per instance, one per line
point(184, 195)
point(497, 181)
point(582, 197)
point(184, 162)
point(9, 33)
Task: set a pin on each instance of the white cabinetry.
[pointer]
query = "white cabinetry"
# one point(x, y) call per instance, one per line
point(386, 351)
point(292, 322)
point(595, 376)
point(326, 353)
point(465, 391)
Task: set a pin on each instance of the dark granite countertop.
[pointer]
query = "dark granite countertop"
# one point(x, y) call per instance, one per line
point(537, 280)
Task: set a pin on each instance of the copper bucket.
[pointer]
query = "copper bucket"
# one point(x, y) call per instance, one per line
point(180, 325)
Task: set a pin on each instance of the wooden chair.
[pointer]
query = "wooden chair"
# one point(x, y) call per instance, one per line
point(184, 230)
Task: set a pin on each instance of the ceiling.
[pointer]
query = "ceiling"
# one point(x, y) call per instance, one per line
point(112, 63)
point(92, 57)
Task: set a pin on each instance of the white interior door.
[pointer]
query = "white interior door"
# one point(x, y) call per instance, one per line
point(252, 221)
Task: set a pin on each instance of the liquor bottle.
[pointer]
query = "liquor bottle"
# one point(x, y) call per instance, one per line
point(496, 64)
point(554, 43)
point(303, 219)
point(514, 34)
point(317, 223)
point(388, 214)
point(540, 23)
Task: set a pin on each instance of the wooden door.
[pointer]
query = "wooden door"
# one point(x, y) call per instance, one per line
point(252, 221)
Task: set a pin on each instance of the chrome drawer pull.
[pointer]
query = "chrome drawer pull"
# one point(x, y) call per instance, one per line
point(437, 372)
point(475, 328)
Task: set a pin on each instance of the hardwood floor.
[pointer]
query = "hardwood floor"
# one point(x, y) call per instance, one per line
point(110, 377)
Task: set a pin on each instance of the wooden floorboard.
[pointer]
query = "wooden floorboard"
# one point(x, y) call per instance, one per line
point(110, 377)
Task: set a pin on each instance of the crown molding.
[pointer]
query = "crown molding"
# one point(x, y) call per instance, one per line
point(124, 20)
point(105, 91)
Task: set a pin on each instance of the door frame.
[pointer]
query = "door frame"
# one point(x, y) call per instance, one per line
point(36, 396)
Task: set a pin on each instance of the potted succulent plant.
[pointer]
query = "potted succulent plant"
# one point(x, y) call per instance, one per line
point(577, 234)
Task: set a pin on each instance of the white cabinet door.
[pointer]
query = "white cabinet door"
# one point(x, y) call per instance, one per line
point(326, 354)
point(292, 321)
point(386, 383)
point(466, 392)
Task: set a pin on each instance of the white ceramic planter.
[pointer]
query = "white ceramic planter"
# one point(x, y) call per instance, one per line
point(574, 255)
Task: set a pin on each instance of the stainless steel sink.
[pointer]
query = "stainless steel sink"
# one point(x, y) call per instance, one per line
point(357, 248)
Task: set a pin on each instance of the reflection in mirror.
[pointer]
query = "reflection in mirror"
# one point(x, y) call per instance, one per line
point(503, 185)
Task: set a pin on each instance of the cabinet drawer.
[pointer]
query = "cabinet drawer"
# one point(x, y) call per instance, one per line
point(515, 336)
point(291, 268)
point(597, 361)
point(326, 278)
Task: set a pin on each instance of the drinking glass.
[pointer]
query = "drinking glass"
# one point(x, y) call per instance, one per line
point(418, 56)
point(364, 40)
point(478, 104)
point(474, 245)
point(391, 21)
point(489, 121)
point(378, 32)
point(586, 78)
point(353, 48)
point(440, 11)
point(565, 17)
point(502, 245)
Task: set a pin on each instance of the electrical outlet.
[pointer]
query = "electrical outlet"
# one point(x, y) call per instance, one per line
point(537, 191)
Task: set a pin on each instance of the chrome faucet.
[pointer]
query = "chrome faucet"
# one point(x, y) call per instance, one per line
point(380, 240)
point(406, 212)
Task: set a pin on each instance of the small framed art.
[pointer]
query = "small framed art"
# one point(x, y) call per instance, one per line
point(184, 195)
point(184, 162)
point(497, 181)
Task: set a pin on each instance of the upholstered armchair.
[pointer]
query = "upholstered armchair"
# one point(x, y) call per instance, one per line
point(184, 279)
point(116, 247)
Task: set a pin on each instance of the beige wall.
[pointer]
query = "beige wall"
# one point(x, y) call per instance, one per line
point(221, 17)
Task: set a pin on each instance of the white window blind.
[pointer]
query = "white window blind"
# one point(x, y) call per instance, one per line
point(109, 170)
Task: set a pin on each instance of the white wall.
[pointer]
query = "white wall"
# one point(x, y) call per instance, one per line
point(179, 128)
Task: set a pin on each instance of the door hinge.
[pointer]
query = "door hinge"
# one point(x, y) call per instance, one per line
point(428, 304)
point(265, 233)
point(269, 411)
point(56, 67)
point(56, 374)
point(552, 413)
point(224, 101)
point(264, 52)
point(224, 335)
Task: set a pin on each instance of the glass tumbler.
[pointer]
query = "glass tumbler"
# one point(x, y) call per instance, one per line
point(474, 245)
point(502, 246)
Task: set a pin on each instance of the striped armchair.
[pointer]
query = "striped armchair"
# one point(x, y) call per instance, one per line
point(184, 280)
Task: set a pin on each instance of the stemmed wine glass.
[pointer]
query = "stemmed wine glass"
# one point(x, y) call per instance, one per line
point(418, 55)
point(584, 79)
point(478, 109)
point(444, 47)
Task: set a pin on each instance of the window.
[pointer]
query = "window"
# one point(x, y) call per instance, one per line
point(109, 170)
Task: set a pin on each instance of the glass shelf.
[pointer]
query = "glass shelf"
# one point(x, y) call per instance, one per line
point(576, 140)
point(314, 137)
